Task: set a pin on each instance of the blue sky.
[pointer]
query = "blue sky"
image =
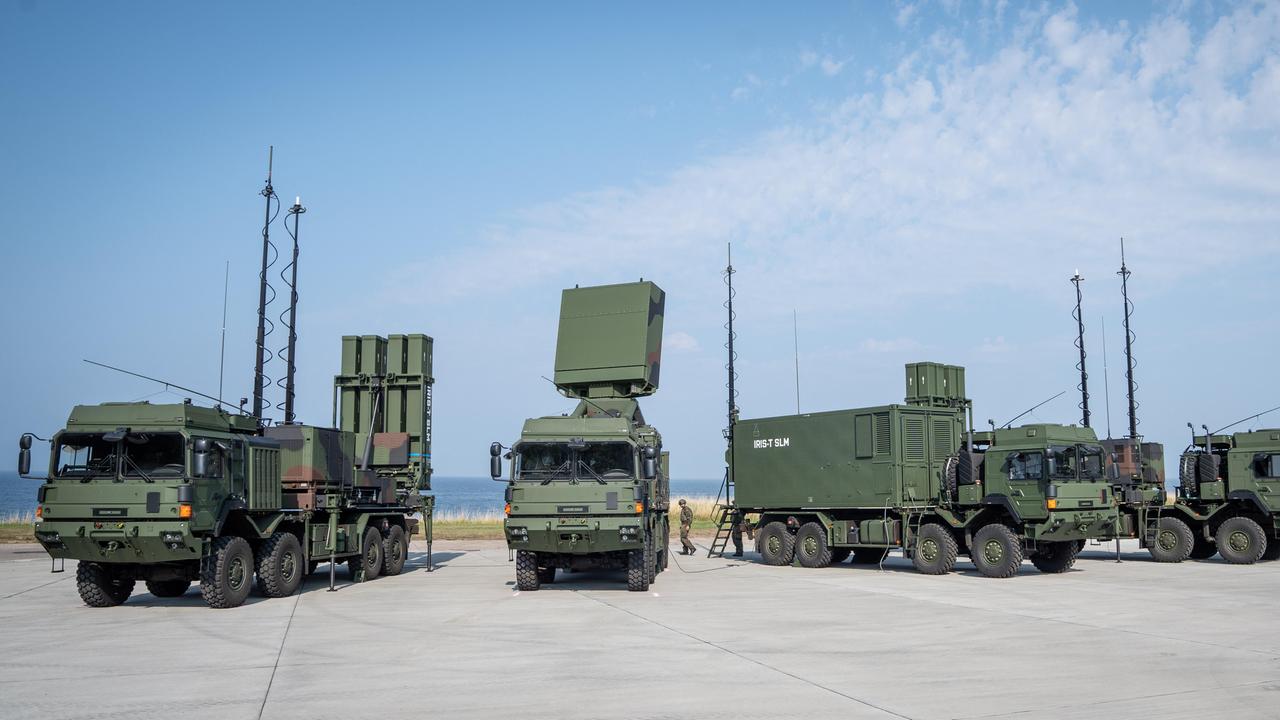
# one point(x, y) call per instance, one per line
point(915, 180)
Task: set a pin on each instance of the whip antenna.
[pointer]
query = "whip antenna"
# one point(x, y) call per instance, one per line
point(222, 351)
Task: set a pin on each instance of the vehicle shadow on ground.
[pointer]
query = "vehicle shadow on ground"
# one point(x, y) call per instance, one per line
point(583, 580)
point(317, 581)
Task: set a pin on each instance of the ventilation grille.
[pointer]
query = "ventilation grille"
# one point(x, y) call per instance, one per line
point(913, 439)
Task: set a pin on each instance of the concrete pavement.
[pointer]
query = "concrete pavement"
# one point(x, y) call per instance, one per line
point(714, 638)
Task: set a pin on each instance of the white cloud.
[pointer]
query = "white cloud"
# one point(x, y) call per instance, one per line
point(893, 345)
point(680, 341)
point(750, 83)
point(995, 346)
point(906, 12)
point(1037, 156)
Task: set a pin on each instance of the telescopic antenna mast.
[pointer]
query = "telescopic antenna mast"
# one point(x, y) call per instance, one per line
point(1129, 337)
point(260, 360)
point(295, 212)
point(222, 350)
point(1084, 375)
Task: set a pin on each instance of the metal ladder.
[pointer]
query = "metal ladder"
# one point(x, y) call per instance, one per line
point(726, 515)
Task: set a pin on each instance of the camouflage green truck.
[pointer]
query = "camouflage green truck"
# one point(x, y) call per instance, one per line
point(915, 476)
point(1228, 499)
point(590, 489)
point(171, 494)
point(1136, 470)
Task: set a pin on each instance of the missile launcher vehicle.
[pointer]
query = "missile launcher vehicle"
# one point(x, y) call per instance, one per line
point(1228, 500)
point(917, 477)
point(589, 489)
point(178, 493)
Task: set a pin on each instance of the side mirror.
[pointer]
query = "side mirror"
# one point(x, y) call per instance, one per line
point(200, 449)
point(24, 455)
point(1053, 465)
point(649, 463)
point(1113, 470)
point(495, 461)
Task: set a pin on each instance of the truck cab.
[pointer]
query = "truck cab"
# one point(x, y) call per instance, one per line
point(1049, 475)
point(1229, 496)
point(136, 482)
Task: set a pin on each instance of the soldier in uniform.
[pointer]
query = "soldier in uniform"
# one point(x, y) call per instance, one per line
point(741, 525)
point(686, 521)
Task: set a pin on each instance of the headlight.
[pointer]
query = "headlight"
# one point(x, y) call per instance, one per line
point(518, 533)
point(629, 532)
point(171, 539)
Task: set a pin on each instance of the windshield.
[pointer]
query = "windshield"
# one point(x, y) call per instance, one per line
point(145, 455)
point(545, 462)
point(1086, 459)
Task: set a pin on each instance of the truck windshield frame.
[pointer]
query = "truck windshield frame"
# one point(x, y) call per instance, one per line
point(1076, 462)
point(545, 462)
point(86, 456)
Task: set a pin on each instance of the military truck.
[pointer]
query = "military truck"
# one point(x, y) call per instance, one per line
point(917, 477)
point(589, 489)
point(178, 493)
point(1228, 500)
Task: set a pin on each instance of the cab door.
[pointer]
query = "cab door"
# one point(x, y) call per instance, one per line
point(1025, 473)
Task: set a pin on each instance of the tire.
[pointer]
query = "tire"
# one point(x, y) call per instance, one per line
point(869, 555)
point(1241, 541)
point(965, 470)
point(168, 588)
point(366, 566)
point(1055, 557)
point(811, 547)
point(1173, 541)
point(226, 575)
point(395, 550)
point(951, 476)
point(997, 551)
point(777, 544)
point(637, 571)
point(1202, 549)
point(1273, 550)
point(98, 587)
point(651, 560)
point(279, 565)
point(935, 551)
point(528, 578)
point(839, 555)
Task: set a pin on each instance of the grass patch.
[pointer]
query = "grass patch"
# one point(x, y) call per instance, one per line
point(17, 528)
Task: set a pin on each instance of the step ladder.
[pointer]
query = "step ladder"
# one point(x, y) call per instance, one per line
point(726, 515)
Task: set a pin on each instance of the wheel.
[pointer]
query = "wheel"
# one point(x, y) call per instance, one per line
point(98, 587)
point(869, 555)
point(811, 546)
point(637, 573)
point(279, 564)
point(1173, 541)
point(528, 578)
point(1201, 548)
point(777, 544)
point(368, 563)
point(1273, 550)
point(839, 555)
point(1241, 541)
point(226, 575)
point(997, 551)
point(1055, 557)
point(395, 550)
point(935, 551)
point(168, 588)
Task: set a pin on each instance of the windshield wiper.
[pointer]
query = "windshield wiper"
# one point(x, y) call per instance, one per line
point(135, 467)
point(593, 474)
point(563, 467)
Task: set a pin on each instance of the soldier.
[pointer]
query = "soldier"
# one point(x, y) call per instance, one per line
point(741, 525)
point(686, 522)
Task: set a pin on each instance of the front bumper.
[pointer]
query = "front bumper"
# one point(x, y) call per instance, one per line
point(577, 535)
point(1078, 525)
point(119, 541)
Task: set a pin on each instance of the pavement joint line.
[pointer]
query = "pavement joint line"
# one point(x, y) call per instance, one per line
point(1074, 623)
point(767, 666)
point(298, 599)
point(37, 587)
point(1099, 703)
